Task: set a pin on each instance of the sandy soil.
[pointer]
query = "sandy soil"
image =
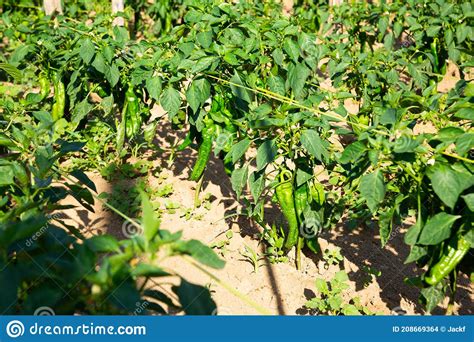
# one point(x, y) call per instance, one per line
point(280, 288)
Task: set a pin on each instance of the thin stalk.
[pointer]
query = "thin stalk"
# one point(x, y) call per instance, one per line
point(198, 191)
point(229, 288)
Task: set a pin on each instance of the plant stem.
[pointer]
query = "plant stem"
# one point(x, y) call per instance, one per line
point(299, 246)
point(198, 190)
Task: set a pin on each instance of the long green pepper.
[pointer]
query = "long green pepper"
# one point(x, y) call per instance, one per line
point(448, 261)
point(204, 152)
point(284, 192)
point(133, 119)
point(59, 104)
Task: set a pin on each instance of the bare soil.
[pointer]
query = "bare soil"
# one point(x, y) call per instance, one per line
point(279, 288)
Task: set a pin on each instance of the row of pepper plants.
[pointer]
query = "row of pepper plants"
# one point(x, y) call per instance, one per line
point(242, 77)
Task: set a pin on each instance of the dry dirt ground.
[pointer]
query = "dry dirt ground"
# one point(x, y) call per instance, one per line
point(279, 288)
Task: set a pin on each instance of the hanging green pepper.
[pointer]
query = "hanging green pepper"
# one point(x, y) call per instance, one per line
point(204, 152)
point(45, 86)
point(59, 98)
point(133, 122)
point(317, 193)
point(448, 261)
point(301, 201)
point(284, 192)
point(434, 52)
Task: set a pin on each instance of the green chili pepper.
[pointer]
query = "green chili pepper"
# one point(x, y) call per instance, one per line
point(204, 151)
point(301, 201)
point(133, 121)
point(45, 86)
point(284, 192)
point(317, 193)
point(448, 261)
point(59, 98)
point(434, 52)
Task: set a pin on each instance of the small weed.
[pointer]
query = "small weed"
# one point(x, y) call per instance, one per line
point(331, 301)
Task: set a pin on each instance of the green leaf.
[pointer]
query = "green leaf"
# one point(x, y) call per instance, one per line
point(103, 244)
point(147, 270)
point(322, 286)
point(87, 50)
point(372, 189)
point(350, 310)
point(170, 101)
point(469, 199)
point(256, 184)
point(297, 78)
point(153, 86)
point(203, 64)
point(465, 143)
point(276, 85)
point(353, 152)
point(239, 179)
point(112, 75)
point(6, 175)
point(11, 70)
point(83, 178)
point(150, 221)
point(237, 88)
point(433, 297)
point(204, 39)
point(81, 110)
point(313, 144)
point(200, 252)
point(239, 149)
point(411, 236)
point(198, 92)
point(194, 299)
point(416, 253)
point(266, 153)
point(437, 229)
point(292, 49)
point(449, 184)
